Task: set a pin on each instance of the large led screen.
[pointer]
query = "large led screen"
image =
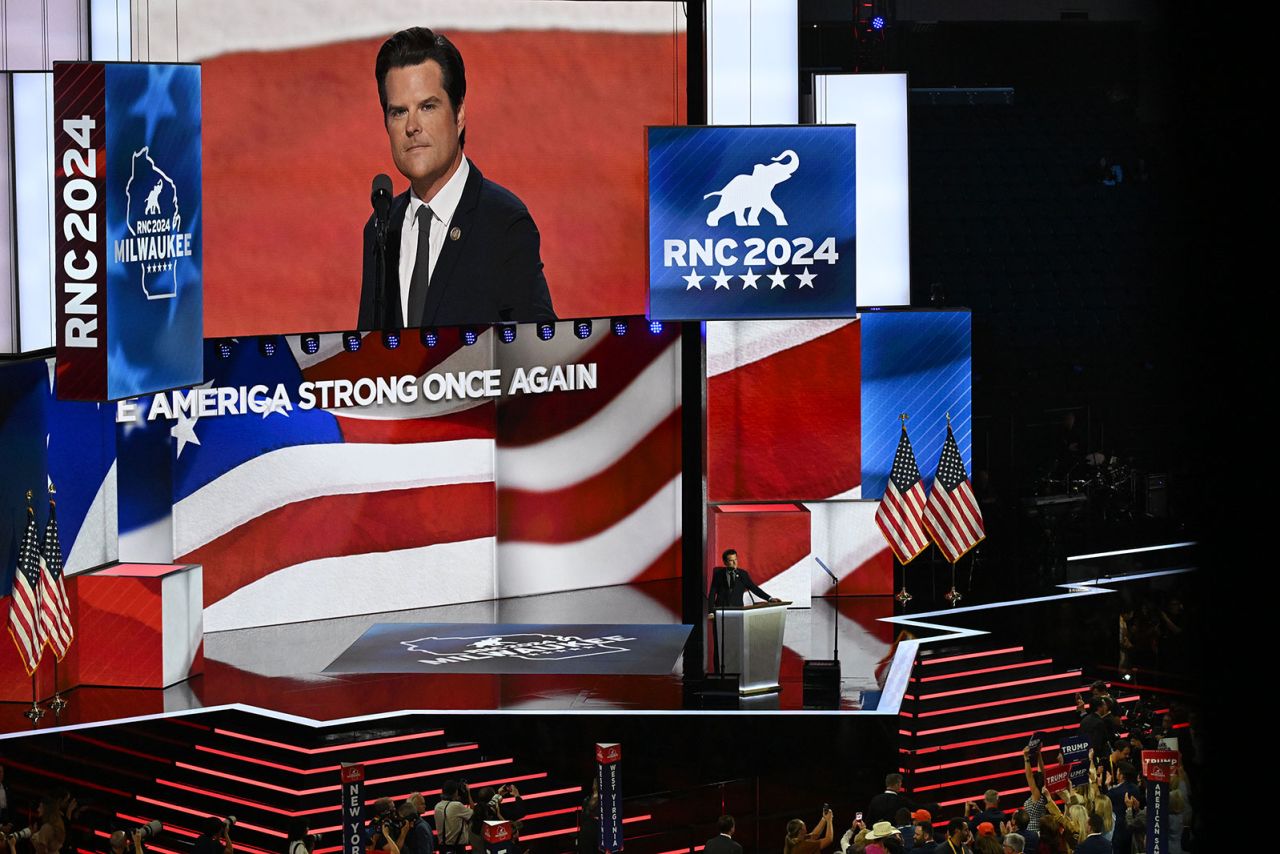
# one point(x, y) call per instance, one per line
point(557, 98)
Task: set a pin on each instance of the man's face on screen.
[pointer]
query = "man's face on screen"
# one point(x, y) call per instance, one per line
point(423, 127)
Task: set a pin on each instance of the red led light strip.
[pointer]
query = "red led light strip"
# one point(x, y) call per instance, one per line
point(399, 757)
point(338, 786)
point(684, 850)
point(311, 751)
point(44, 772)
point(983, 670)
point(106, 835)
point(956, 745)
point(1012, 684)
point(1019, 699)
point(240, 846)
point(574, 829)
point(995, 758)
point(925, 662)
point(95, 742)
point(429, 792)
point(168, 828)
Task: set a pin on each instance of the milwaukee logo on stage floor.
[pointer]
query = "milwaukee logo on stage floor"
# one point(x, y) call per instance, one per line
point(498, 648)
point(529, 647)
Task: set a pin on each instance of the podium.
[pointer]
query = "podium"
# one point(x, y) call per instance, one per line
point(750, 641)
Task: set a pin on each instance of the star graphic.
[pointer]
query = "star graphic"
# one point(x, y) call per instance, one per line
point(274, 405)
point(693, 280)
point(778, 278)
point(749, 280)
point(806, 278)
point(156, 104)
point(722, 280)
point(184, 430)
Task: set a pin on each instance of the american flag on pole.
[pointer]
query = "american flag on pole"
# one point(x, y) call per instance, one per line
point(901, 512)
point(53, 594)
point(951, 513)
point(24, 617)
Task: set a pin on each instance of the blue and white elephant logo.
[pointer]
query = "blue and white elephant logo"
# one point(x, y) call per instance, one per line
point(746, 195)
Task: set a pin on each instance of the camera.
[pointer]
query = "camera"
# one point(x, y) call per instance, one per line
point(19, 835)
point(391, 820)
point(149, 829)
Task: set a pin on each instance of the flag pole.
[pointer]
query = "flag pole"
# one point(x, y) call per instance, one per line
point(57, 704)
point(953, 596)
point(35, 713)
point(903, 596)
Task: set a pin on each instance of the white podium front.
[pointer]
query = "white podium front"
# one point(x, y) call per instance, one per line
point(751, 644)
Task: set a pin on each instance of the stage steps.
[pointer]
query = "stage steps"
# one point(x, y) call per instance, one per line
point(179, 772)
point(968, 712)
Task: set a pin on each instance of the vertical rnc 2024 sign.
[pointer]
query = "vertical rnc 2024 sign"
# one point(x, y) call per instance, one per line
point(127, 161)
point(752, 222)
point(609, 778)
point(352, 809)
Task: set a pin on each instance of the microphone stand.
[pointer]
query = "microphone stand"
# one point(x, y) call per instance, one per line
point(835, 622)
point(380, 273)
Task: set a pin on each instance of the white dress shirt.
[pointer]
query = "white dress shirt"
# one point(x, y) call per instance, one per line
point(443, 207)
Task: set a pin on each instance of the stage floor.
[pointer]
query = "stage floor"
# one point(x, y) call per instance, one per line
point(280, 669)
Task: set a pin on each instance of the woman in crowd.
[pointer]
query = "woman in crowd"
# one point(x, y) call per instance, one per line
point(800, 840)
point(50, 832)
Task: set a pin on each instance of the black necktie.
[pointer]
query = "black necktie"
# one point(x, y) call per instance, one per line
point(421, 269)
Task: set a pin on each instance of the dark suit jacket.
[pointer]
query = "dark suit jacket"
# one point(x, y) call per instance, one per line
point(729, 594)
point(720, 844)
point(492, 272)
point(1094, 845)
point(884, 806)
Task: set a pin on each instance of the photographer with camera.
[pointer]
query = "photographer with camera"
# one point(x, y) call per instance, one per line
point(48, 832)
point(453, 817)
point(215, 837)
point(383, 829)
point(415, 835)
point(130, 841)
point(489, 808)
point(301, 839)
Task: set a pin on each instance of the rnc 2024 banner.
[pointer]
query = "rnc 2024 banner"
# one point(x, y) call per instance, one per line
point(752, 222)
point(128, 205)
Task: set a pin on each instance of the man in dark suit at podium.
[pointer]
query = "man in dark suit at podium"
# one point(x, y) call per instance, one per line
point(459, 248)
point(729, 584)
point(723, 843)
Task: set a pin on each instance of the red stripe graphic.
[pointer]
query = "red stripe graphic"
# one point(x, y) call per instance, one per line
point(397, 519)
point(476, 422)
point(599, 502)
point(787, 427)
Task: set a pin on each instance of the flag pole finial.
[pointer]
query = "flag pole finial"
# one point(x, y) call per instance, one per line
point(948, 418)
point(903, 418)
point(52, 489)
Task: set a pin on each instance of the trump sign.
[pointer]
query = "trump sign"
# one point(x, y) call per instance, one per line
point(752, 222)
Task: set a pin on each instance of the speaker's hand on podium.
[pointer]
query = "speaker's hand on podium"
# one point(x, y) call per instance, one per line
point(774, 600)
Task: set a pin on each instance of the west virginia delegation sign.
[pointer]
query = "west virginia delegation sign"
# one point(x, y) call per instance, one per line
point(752, 222)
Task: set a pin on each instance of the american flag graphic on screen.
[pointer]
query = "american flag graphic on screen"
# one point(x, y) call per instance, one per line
point(417, 504)
point(901, 512)
point(24, 616)
point(951, 513)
